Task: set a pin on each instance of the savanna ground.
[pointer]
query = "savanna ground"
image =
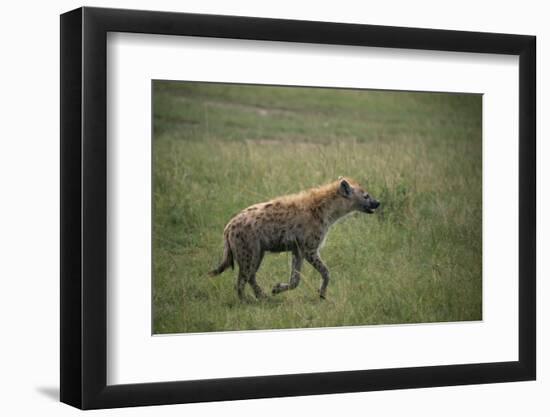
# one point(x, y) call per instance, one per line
point(220, 148)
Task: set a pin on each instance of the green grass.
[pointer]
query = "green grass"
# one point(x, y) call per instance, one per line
point(220, 148)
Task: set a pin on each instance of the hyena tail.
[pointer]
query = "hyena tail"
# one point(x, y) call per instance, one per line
point(227, 260)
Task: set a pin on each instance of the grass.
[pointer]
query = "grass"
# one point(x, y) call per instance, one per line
point(220, 148)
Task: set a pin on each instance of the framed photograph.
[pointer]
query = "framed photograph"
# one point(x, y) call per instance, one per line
point(257, 208)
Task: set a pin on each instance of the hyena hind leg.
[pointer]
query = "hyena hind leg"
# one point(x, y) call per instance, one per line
point(297, 261)
point(258, 292)
point(251, 279)
point(257, 260)
point(241, 283)
point(248, 265)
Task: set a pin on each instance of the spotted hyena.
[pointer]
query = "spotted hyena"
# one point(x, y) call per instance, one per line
point(296, 223)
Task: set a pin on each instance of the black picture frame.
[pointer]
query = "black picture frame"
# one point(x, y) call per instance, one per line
point(84, 207)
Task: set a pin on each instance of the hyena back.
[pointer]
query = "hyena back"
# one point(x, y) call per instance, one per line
point(296, 223)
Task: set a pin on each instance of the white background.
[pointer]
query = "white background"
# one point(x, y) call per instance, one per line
point(134, 356)
point(29, 222)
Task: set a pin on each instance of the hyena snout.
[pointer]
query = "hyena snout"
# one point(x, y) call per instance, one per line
point(370, 205)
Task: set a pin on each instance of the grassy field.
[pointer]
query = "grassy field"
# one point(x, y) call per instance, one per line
point(220, 148)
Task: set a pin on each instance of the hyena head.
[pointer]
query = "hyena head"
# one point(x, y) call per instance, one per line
point(355, 197)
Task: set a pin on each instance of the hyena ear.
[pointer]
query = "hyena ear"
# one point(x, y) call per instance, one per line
point(345, 188)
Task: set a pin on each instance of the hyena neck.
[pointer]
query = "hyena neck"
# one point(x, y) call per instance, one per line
point(331, 210)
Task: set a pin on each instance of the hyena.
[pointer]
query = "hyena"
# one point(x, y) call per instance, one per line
point(296, 223)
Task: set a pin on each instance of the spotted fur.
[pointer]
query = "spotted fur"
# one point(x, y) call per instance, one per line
point(296, 223)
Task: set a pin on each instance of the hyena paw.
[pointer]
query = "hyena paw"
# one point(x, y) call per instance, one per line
point(260, 295)
point(277, 288)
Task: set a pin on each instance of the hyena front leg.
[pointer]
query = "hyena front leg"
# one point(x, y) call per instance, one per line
point(297, 261)
point(314, 259)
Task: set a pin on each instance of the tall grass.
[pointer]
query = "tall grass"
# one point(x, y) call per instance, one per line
point(220, 148)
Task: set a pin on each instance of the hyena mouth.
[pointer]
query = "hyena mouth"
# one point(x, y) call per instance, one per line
point(369, 210)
